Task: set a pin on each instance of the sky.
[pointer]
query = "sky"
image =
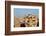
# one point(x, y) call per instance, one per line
point(21, 12)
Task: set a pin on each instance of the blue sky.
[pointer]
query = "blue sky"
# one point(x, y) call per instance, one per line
point(21, 12)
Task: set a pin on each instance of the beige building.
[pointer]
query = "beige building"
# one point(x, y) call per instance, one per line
point(30, 21)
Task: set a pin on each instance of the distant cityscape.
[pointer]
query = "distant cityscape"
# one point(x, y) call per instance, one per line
point(24, 17)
